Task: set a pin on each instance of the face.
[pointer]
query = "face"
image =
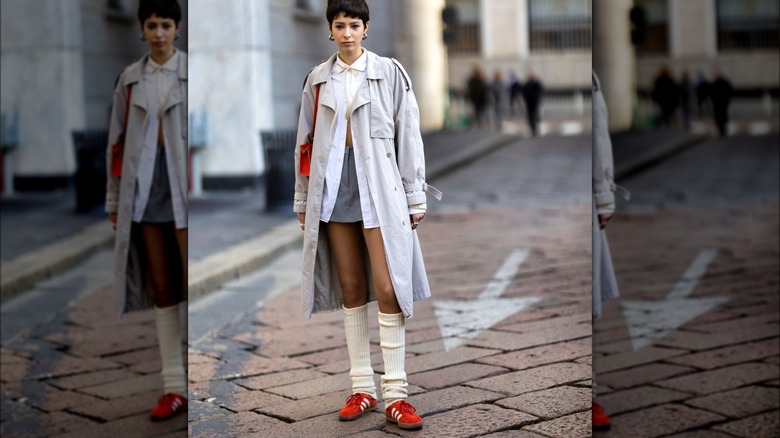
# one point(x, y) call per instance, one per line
point(160, 33)
point(348, 32)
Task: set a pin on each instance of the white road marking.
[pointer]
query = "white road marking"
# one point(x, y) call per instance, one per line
point(650, 320)
point(465, 319)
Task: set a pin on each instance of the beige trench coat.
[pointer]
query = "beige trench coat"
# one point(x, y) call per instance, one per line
point(386, 128)
point(605, 285)
point(132, 287)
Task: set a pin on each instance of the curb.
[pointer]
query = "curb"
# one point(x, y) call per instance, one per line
point(466, 156)
point(210, 273)
point(655, 155)
point(21, 273)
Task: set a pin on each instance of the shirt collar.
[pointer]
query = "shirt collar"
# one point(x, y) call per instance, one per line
point(360, 64)
point(170, 65)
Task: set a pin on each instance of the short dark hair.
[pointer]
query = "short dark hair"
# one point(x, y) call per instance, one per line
point(163, 9)
point(350, 8)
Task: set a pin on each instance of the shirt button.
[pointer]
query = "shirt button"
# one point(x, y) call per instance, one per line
point(388, 155)
point(403, 222)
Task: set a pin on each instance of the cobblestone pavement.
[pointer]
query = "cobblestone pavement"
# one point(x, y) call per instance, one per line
point(692, 347)
point(502, 234)
point(82, 372)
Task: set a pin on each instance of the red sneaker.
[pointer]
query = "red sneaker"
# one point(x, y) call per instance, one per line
point(357, 403)
point(402, 413)
point(601, 420)
point(169, 405)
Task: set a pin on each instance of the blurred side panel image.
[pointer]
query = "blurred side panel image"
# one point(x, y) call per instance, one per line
point(689, 344)
point(93, 208)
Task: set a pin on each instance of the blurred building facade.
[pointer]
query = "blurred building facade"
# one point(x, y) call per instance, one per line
point(249, 59)
point(738, 37)
point(552, 38)
point(59, 61)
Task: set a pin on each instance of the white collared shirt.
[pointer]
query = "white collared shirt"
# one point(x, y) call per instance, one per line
point(157, 82)
point(346, 82)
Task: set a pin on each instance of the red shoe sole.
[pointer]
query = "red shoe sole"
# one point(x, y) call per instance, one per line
point(407, 426)
point(356, 416)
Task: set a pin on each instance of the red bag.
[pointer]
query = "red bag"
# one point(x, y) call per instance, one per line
point(118, 148)
point(307, 148)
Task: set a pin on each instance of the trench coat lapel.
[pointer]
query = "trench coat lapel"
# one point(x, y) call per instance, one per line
point(175, 97)
point(320, 76)
point(363, 94)
point(133, 77)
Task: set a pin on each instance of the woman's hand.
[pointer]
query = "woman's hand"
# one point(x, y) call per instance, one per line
point(603, 219)
point(112, 218)
point(302, 219)
point(415, 219)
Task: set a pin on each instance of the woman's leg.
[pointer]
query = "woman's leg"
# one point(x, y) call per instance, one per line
point(346, 247)
point(383, 286)
point(157, 243)
point(391, 321)
point(181, 240)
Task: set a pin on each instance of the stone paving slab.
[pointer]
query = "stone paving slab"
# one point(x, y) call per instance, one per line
point(638, 398)
point(758, 426)
point(740, 403)
point(659, 421)
point(453, 375)
point(722, 379)
point(470, 421)
point(534, 379)
point(550, 403)
point(574, 426)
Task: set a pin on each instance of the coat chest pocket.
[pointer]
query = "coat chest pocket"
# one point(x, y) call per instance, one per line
point(382, 121)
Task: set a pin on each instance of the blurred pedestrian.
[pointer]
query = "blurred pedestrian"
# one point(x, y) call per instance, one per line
point(666, 95)
point(721, 92)
point(515, 93)
point(477, 91)
point(148, 203)
point(360, 206)
point(500, 93)
point(603, 278)
point(532, 95)
point(702, 93)
point(686, 97)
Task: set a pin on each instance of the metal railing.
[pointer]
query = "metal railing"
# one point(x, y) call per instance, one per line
point(560, 33)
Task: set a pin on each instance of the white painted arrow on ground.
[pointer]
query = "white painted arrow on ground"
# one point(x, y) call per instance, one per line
point(460, 320)
point(652, 320)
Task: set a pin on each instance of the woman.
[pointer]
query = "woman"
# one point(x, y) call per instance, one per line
point(361, 204)
point(603, 275)
point(148, 203)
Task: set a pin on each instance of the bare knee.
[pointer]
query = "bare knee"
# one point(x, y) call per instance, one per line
point(354, 292)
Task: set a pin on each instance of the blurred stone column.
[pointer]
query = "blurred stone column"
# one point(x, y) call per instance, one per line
point(699, 16)
point(423, 54)
point(42, 79)
point(613, 59)
point(230, 79)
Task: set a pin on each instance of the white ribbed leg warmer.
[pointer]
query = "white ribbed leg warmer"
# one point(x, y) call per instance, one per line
point(169, 340)
point(393, 342)
point(356, 329)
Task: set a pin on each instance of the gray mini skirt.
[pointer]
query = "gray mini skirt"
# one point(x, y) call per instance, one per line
point(159, 207)
point(347, 207)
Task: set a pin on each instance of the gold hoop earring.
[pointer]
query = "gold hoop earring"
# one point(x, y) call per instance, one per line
point(365, 35)
point(177, 36)
point(330, 37)
point(143, 38)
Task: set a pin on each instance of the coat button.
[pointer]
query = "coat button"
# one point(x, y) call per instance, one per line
point(388, 155)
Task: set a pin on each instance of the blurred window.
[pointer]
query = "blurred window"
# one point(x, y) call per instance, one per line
point(467, 36)
point(656, 32)
point(748, 24)
point(557, 25)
